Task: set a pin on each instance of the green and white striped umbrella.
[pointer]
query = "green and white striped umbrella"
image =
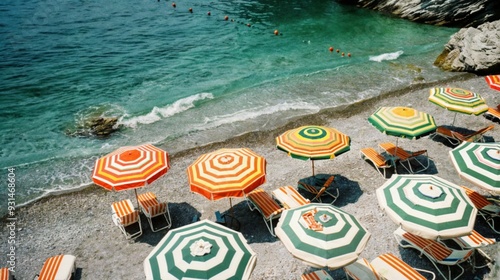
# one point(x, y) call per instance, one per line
point(458, 100)
point(428, 206)
point(339, 242)
point(201, 250)
point(403, 122)
point(478, 163)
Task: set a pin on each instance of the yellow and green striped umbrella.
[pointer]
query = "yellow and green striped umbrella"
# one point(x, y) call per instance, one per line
point(313, 142)
point(427, 206)
point(478, 163)
point(403, 122)
point(337, 242)
point(458, 100)
point(201, 250)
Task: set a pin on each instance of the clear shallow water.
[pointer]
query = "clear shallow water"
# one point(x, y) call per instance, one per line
point(180, 79)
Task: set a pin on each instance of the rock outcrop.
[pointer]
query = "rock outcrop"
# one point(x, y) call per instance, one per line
point(475, 50)
point(96, 126)
point(456, 13)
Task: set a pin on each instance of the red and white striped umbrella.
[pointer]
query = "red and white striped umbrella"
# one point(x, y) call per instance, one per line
point(493, 81)
point(131, 167)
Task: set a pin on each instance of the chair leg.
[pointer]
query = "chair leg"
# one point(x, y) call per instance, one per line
point(167, 217)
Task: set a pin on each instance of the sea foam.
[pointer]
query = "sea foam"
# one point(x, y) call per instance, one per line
point(386, 56)
point(158, 113)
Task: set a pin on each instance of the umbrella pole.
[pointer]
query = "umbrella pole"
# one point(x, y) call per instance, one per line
point(136, 198)
point(312, 163)
point(454, 117)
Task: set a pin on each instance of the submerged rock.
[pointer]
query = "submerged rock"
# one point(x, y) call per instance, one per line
point(475, 50)
point(456, 13)
point(96, 126)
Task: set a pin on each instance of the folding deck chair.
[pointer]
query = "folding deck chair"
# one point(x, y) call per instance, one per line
point(124, 215)
point(493, 114)
point(61, 267)
point(151, 208)
point(485, 208)
point(5, 274)
point(289, 197)
point(378, 160)
point(456, 138)
point(265, 204)
point(386, 266)
point(316, 275)
point(435, 251)
point(320, 191)
point(475, 241)
point(405, 158)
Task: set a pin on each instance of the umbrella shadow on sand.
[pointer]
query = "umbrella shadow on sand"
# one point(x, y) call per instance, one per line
point(348, 190)
point(182, 214)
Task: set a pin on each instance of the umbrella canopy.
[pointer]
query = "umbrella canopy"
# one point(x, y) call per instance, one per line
point(428, 206)
point(478, 163)
point(458, 100)
point(201, 250)
point(313, 142)
point(403, 122)
point(338, 243)
point(227, 173)
point(493, 81)
point(130, 167)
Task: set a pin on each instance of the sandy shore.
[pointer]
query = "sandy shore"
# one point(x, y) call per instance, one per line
point(80, 223)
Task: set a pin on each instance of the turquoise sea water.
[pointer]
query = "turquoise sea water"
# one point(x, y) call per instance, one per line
point(179, 79)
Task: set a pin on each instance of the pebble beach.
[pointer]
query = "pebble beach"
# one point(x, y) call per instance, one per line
point(79, 223)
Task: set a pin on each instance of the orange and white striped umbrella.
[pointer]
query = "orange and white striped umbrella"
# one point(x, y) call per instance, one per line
point(131, 167)
point(493, 81)
point(227, 173)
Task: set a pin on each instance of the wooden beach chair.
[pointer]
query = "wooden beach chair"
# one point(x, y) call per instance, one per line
point(151, 208)
point(318, 192)
point(435, 251)
point(61, 267)
point(316, 275)
point(488, 210)
point(493, 114)
point(124, 215)
point(385, 266)
point(379, 162)
point(405, 158)
point(289, 197)
point(5, 274)
point(267, 207)
point(456, 138)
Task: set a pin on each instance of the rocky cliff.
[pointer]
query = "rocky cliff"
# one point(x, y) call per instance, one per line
point(473, 49)
point(456, 13)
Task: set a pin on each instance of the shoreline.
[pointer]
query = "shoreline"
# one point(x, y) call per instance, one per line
point(79, 223)
point(343, 110)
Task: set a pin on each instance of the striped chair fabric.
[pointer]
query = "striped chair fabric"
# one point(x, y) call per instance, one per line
point(316, 275)
point(150, 204)
point(290, 197)
point(60, 267)
point(391, 267)
point(4, 273)
point(431, 247)
point(265, 203)
point(479, 201)
point(474, 240)
point(124, 210)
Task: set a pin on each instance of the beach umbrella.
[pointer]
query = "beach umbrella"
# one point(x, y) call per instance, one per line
point(130, 167)
point(201, 250)
point(458, 100)
point(227, 173)
point(478, 163)
point(313, 142)
point(322, 235)
point(493, 81)
point(402, 122)
point(427, 206)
